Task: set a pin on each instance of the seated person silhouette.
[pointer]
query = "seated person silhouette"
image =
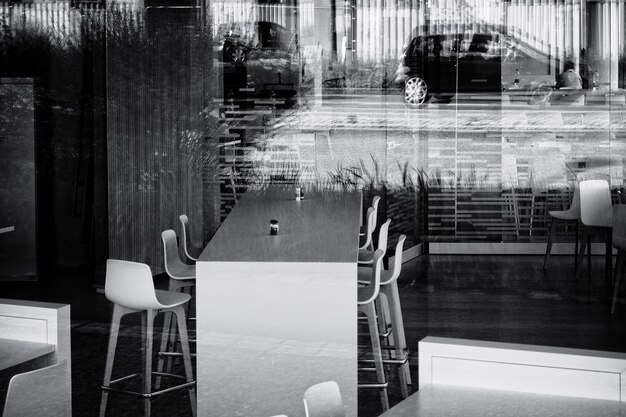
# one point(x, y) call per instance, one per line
point(569, 78)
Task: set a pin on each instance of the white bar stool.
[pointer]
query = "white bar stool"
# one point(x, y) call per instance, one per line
point(596, 215)
point(182, 277)
point(129, 286)
point(192, 252)
point(389, 289)
point(323, 400)
point(366, 297)
point(366, 256)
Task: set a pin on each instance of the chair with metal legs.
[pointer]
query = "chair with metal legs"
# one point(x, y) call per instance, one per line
point(182, 277)
point(389, 289)
point(192, 252)
point(366, 297)
point(596, 216)
point(569, 216)
point(129, 286)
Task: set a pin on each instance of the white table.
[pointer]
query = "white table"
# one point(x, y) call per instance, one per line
point(453, 401)
point(15, 352)
point(277, 314)
point(31, 330)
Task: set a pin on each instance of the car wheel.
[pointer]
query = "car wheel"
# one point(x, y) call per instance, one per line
point(541, 95)
point(235, 54)
point(415, 91)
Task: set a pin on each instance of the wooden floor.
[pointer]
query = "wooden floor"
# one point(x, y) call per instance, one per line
point(496, 298)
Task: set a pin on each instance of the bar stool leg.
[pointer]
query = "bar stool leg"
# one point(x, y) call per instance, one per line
point(382, 317)
point(370, 312)
point(165, 336)
point(147, 375)
point(184, 342)
point(581, 253)
point(400, 339)
point(589, 258)
point(619, 266)
point(549, 244)
point(608, 262)
point(118, 312)
point(172, 346)
point(576, 248)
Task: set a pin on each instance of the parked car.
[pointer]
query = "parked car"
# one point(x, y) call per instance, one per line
point(262, 58)
point(444, 65)
point(243, 41)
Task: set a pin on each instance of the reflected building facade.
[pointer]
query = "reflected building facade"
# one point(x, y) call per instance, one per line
point(493, 152)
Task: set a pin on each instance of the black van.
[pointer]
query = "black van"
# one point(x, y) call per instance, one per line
point(444, 65)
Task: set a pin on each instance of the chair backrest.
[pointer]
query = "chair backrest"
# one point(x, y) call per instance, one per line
point(574, 208)
point(595, 203)
point(369, 229)
point(324, 400)
point(372, 219)
point(170, 251)
point(619, 226)
point(39, 393)
point(130, 284)
point(383, 234)
point(370, 291)
point(394, 273)
point(184, 220)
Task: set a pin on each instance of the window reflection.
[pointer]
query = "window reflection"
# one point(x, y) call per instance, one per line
point(490, 101)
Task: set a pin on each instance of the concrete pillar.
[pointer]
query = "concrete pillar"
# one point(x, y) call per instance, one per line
point(603, 40)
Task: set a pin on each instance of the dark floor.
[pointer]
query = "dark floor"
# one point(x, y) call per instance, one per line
point(494, 298)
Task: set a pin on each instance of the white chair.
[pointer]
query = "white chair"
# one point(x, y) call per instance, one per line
point(365, 240)
point(39, 393)
point(182, 277)
point(389, 289)
point(596, 215)
point(129, 286)
point(366, 256)
point(571, 215)
point(324, 400)
point(366, 297)
point(375, 202)
point(192, 252)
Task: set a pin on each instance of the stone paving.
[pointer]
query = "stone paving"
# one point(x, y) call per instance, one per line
point(389, 113)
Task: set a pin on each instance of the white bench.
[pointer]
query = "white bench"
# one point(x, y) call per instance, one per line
point(523, 368)
point(30, 330)
point(473, 378)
